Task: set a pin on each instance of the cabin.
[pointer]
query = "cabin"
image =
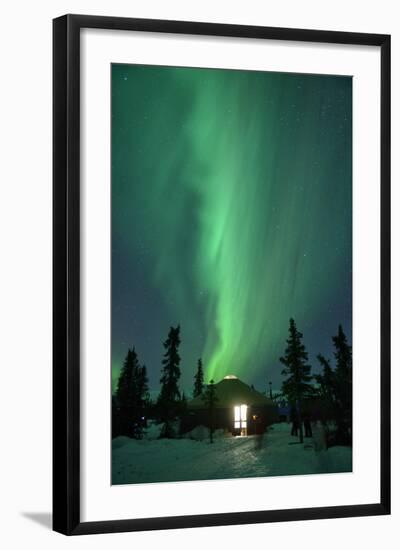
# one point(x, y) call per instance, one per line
point(239, 409)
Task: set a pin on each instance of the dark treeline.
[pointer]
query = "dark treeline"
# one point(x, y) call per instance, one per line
point(131, 404)
point(324, 397)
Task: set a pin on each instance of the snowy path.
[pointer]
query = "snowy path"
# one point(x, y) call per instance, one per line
point(158, 460)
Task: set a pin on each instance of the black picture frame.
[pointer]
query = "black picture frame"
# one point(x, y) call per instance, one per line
point(66, 273)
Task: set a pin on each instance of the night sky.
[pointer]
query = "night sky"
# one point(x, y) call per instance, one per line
point(231, 213)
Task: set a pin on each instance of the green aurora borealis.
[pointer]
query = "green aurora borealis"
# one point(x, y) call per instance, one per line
point(231, 213)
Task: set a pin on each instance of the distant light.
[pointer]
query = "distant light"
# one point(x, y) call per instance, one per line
point(230, 377)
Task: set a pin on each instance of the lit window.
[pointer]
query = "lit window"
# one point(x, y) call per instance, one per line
point(240, 416)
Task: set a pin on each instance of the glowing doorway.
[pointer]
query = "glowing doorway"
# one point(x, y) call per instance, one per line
point(240, 416)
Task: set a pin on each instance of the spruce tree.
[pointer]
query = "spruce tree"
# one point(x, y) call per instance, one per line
point(297, 384)
point(335, 388)
point(142, 398)
point(169, 398)
point(343, 375)
point(115, 418)
point(198, 379)
point(327, 389)
point(126, 394)
point(326, 380)
point(210, 399)
point(183, 397)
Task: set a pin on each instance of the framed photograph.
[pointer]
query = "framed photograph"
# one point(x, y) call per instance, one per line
point(221, 274)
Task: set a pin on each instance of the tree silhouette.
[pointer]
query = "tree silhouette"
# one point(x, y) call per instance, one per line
point(115, 428)
point(131, 397)
point(198, 379)
point(142, 396)
point(297, 384)
point(182, 404)
point(343, 374)
point(326, 380)
point(210, 399)
point(169, 398)
point(326, 389)
point(335, 388)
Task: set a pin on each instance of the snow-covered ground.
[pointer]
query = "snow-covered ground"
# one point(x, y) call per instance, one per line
point(278, 453)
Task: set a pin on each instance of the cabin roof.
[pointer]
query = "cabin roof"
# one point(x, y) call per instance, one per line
point(231, 391)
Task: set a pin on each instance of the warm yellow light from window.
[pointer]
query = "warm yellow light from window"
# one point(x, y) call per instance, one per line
point(240, 415)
